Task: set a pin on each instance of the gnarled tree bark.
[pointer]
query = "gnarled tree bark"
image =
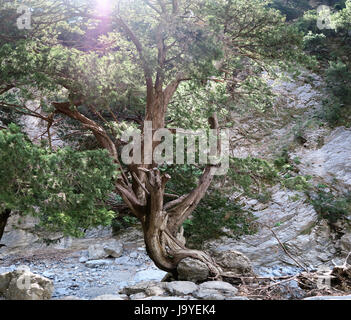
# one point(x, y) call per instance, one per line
point(4, 216)
point(145, 193)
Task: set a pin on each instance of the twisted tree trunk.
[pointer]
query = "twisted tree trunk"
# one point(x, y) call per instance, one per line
point(144, 191)
point(4, 216)
point(162, 226)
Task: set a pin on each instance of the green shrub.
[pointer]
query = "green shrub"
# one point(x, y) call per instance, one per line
point(215, 213)
point(330, 207)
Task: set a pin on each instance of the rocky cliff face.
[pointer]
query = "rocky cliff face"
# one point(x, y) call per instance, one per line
point(324, 154)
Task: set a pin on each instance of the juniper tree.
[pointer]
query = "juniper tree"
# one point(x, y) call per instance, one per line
point(95, 65)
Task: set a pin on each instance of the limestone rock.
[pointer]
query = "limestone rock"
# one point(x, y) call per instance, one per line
point(220, 286)
point(233, 261)
point(149, 275)
point(333, 160)
point(113, 248)
point(108, 297)
point(22, 284)
point(98, 263)
point(296, 224)
point(181, 288)
point(192, 270)
point(208, 294)
point(142, 287)
point(155, 291)
point(345, 243)
point(96, 252)
point(138, 296)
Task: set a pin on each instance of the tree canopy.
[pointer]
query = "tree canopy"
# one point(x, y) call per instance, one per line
point(99, 66)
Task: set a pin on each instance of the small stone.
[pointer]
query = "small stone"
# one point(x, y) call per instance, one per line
point(207, 294)
point(97, 263)
point(137, 296)
point(123, 260)
point(108, 297)
point(223, 287)
point(154, 291)
point(48, 274)
point(83, 259)
point(141, 287)
point(147, 275)
point(181, 288)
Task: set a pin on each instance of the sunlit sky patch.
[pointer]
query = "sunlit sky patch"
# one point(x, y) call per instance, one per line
point(103, 6)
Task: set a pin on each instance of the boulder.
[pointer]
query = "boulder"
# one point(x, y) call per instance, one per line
point(215, 290)
point(113, 248)
point(96, 252)
point(233, 261)
point(142, 287)
point(22, 284)
point(149, 275)
point(181, 288)
point(221, 286)
point(207, 294)
point(192, 270)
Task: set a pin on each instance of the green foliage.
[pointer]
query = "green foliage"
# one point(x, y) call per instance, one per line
point(65, 189)
point(337, 108)
point(216, 213)
point(315, 43)
point(292, 9)
point(330, 207)
point(251, 176)
point(298, 183)
point(123, 222)
point(338, 77)
point(194, 102)
point(71, 56)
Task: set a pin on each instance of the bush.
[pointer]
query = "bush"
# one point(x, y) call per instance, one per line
point(216, 213)
point(330, 207)
point(66, 189)
point(336, 109)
